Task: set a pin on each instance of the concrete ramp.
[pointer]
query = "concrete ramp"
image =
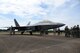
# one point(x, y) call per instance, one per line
point(38, 44)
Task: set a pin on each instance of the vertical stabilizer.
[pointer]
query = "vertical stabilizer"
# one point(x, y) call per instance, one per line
point(28, 23)
point(16, 23)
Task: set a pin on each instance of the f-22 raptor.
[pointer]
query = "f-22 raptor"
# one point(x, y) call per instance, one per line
point(41, 27)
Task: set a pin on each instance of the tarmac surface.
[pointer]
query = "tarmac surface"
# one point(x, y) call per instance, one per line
point(38, 44)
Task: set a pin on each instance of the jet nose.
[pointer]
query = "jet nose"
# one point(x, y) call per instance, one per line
point(62, 24)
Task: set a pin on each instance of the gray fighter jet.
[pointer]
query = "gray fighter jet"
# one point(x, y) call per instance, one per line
point(41, 27)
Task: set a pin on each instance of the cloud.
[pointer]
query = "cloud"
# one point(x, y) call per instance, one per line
point(26, 7)
point(35, 10)
point(5, 22)
point(19, 7)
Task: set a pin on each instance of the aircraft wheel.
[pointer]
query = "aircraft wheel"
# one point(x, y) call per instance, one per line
point(22, 33)
point(30, 33)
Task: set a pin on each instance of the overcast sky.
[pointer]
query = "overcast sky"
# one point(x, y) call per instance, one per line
point(63, 11)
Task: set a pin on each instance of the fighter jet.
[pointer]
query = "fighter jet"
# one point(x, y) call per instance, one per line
point(42, 27)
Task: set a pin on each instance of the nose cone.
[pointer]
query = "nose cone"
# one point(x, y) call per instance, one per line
point(61, 24)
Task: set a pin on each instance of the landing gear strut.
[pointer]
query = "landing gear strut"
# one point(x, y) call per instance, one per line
point(43, 33)
point(30, 32)
point(22, 32)
point(12, 31)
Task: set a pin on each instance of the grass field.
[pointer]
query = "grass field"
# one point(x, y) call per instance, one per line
point(38, 44)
